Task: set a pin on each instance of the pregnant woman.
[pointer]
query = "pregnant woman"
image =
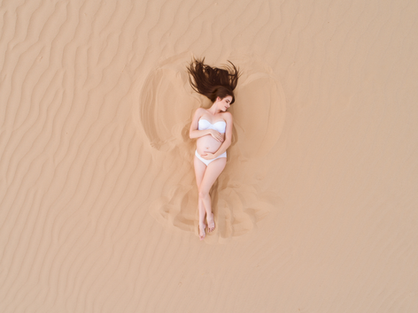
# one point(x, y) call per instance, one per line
point(213, 130)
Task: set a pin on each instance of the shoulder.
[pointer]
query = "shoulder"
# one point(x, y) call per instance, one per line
point(199, 112)
point(227, 116)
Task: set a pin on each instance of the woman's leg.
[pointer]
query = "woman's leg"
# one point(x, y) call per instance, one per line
point(213, 170)
point(200, 168)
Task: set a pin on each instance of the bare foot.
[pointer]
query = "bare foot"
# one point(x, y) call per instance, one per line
point(211, 222)
point(202, 233)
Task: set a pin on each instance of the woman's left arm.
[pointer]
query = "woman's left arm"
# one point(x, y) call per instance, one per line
point(228, 138)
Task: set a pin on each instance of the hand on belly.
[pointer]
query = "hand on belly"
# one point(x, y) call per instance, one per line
point(207, 144)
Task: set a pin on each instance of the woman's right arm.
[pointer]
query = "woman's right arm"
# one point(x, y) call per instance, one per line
point(194, 132)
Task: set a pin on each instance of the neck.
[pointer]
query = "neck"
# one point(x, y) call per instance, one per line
point(213, 109)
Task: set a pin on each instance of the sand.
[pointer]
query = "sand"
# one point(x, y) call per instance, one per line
point(316, 210)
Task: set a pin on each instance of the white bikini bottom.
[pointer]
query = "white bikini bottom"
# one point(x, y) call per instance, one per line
point(207, 162)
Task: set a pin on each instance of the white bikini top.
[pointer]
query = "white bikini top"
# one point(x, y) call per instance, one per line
point(219, 126)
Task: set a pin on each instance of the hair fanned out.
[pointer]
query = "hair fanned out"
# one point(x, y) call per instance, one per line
point(213, 82)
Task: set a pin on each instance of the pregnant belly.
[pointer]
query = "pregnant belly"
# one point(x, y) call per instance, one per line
point(207, 143)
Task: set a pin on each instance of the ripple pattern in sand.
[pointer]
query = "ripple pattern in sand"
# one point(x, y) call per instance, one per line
point(336, 180)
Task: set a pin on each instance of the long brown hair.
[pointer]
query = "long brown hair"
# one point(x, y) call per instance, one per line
point(213, 82)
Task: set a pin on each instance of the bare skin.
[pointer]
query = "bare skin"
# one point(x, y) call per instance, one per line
point(210, 144)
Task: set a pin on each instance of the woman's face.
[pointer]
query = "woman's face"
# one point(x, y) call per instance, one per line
point(225, 103)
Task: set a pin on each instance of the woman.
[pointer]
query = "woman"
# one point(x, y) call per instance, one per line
point(213, 129)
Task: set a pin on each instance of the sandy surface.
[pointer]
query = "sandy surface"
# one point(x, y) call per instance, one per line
point(316, 210)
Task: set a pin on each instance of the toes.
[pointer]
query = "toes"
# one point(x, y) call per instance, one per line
point(211, 224)
point(202, 233)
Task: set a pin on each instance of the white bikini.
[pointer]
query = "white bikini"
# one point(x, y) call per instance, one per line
point(219, 126)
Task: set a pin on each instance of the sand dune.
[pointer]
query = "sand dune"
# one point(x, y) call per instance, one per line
point(315, 211)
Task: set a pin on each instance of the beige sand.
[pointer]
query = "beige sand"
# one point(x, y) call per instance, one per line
point(316, 210)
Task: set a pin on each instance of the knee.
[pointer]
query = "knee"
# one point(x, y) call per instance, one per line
point(203, 193)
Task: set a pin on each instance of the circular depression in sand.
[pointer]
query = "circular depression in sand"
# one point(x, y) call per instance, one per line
point(166, 106)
